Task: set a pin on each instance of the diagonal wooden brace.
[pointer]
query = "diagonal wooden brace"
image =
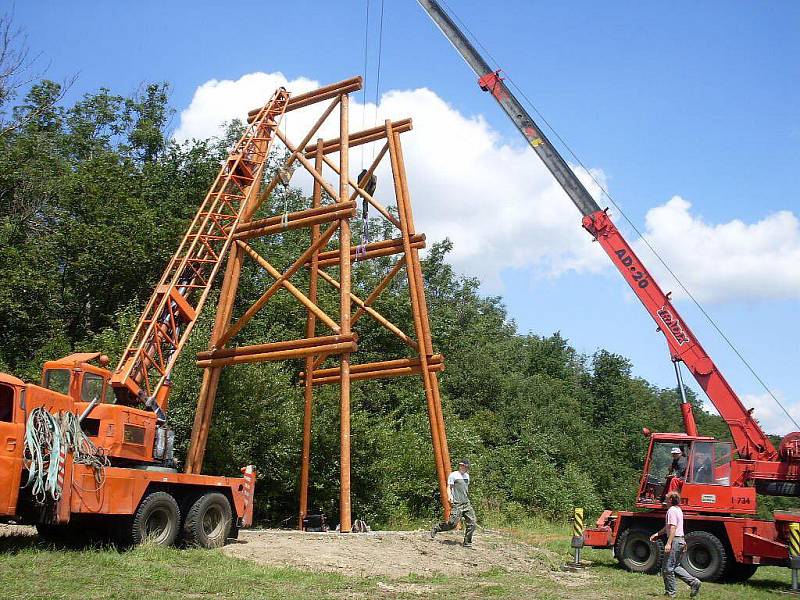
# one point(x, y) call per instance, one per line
point(259, 304)
point(373, 313)
point(304, 300)
point(360, 192)
point(289, 161)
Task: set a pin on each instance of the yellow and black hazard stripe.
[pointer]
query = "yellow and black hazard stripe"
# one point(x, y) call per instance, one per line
point(577, 522)
point(794, 539)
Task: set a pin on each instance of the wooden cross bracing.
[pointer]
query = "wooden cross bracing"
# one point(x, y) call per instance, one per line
point(324, 221)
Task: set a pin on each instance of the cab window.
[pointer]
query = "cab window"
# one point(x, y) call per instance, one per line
point(6, 404)
point(57, 380)
point(655, 480)
point(92, 387)
point(109, 398)
point(711, 462)
point(661, 460)
point(723, 455)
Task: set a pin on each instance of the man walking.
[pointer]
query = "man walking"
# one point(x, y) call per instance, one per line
point(673, 549)
point(461, 508)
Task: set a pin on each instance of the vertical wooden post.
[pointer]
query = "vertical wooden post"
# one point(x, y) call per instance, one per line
point(413, 285)
point(423, 306)
point(310, 332)
point(344, 311)
point(208, 389)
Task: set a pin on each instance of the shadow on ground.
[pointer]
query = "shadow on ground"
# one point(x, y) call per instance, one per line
point(15, 539)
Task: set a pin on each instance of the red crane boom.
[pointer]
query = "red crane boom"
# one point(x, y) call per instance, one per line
point(751, 442)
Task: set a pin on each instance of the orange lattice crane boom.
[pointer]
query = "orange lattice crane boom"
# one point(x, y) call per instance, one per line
point(109, 459)
point(143, 372)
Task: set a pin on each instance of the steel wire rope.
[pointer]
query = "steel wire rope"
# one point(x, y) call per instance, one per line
point(364, 95)
point(361, 247)
point(624, 215)
point(378, 74)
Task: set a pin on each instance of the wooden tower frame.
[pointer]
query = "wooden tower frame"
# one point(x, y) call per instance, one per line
point(340, 340)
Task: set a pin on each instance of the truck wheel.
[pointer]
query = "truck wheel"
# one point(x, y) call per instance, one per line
point(706, 557)
point(157, 520)
point(636, 553)
point(739, 572)
point(208, 521)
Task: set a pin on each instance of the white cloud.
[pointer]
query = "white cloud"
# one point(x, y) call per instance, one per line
point(726, 261)
point(217, 101)
point(769, 415)
point(495, 201)
point(502, 208)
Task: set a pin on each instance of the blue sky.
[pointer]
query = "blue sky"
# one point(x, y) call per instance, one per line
point(697, 100)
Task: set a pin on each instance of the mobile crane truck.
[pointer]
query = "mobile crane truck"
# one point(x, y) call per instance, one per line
point(92, 449)
point(724, 540)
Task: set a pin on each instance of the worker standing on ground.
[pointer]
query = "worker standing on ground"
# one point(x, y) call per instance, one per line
point(461, 508)
point(673, 549)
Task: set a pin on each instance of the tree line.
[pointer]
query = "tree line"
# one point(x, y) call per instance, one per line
point(94, 198)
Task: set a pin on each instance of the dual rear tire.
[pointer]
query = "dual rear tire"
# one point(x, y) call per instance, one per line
point(157, 520)
point(208, 522)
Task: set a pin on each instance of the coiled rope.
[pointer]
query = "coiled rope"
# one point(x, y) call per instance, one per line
point(48, 439)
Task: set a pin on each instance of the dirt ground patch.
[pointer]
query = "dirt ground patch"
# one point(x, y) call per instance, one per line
point(16, 531)
point(390, 553)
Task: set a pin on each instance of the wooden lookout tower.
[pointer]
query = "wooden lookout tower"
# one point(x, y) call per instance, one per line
point(328, 337)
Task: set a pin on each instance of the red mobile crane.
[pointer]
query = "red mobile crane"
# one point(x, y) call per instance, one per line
point(95, 446)
point(722, 479)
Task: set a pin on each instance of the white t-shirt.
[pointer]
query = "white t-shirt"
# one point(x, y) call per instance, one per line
point(459, 485)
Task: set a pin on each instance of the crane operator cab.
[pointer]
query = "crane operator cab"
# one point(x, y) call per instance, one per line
point(701, 472)
point(128, 435)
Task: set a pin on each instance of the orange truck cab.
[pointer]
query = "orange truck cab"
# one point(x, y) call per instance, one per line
point(132, 489)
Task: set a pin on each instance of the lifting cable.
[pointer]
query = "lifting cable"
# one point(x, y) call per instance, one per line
point(364, 95)
point(622, 212)
point(369, 185)
point(378, 73)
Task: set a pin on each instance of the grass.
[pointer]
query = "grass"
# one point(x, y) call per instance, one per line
point(614, 582)
point(30, 569)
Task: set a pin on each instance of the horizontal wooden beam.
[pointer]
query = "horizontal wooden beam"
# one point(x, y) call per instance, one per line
point(360, 137)
point(298, 223)
point(340, 348)
point(276, 346)
point(324, 93)
point(293, 216)
point(379, 374)
point(434, 359)
point(373, 250)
